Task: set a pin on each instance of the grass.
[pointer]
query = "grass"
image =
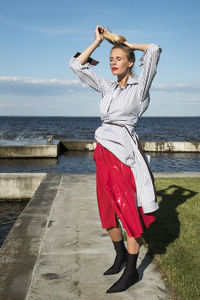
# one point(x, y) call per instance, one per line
point(174, 239)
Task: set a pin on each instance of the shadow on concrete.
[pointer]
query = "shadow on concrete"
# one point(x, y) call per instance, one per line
point(147, 260)
point(166, 228)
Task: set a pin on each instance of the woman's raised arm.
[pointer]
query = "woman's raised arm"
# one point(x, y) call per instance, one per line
point(84, 56)
point(81, 67)
point(140, 47)
point(148, 62)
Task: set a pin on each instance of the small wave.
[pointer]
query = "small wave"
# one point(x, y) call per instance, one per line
point(83, 128)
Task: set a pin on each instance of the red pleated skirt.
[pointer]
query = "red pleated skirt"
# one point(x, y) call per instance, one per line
point(116, 194)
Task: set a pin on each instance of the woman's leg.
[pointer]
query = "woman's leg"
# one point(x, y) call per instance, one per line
point(133, 245)
point(130, 274)
point(115, 234)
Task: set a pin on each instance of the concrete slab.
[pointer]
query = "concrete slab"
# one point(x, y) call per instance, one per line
point(75, 251)
point(171, 146)
point(58, 250)
point(26, 142)
point(30, 151)
point(163, 146)
point(20, 251)
point(19, 185)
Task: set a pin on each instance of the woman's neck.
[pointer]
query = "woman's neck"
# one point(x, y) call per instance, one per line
point(122, 80)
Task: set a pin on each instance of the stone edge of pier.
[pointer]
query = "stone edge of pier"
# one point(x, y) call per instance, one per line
point(20, 250)
point(53, 151)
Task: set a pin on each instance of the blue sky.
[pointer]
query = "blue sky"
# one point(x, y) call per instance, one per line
point(38, 37)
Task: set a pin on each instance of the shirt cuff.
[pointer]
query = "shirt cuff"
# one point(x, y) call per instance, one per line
point(150, 48)
point(90, 60)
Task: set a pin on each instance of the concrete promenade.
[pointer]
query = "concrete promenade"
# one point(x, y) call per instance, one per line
point(58, 251)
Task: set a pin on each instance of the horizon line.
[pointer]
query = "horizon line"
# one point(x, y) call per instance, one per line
point(93, 116)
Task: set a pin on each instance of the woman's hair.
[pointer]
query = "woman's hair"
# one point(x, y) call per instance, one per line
point(129, 52)
point(118, 41)
point(113, 38)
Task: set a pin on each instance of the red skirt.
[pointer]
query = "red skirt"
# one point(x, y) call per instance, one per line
point(116, 194)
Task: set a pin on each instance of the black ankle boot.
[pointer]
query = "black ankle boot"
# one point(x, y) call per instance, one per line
point(129, 276)
point(120, 259)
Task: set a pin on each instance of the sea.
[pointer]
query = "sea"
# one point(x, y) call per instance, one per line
point(22, 129)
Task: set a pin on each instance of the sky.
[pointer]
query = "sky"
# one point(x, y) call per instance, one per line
point(38, 38)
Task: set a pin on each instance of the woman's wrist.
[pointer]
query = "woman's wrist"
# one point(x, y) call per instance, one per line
point(140, 47)
point(97, 42)
point(131, 45)
point(134, 46)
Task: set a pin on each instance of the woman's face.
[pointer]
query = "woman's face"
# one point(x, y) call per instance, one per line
point(119, 63)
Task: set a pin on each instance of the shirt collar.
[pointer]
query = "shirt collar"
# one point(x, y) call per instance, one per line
point(131, 80)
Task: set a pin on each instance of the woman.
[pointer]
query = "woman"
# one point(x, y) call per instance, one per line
point(125, 187)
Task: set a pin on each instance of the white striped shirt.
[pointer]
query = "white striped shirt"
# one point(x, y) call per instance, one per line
point(124, 106)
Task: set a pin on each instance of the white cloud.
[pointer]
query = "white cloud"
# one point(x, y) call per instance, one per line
point(39, 86)
point(51, 87)
point(14, 105)
point(42, 81)
point(195, 100)
point(192, 101)
point(185, 87)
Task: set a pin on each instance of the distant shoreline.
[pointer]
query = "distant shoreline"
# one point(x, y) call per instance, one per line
point(43, 116)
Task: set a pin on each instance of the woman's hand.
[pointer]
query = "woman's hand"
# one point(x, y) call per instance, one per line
point(131, 45)
point(141, 47)
point(84, 56)
point(98, 36)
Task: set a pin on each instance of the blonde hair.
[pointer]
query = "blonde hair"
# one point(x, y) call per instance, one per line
point(113, 38)
point(118, 42)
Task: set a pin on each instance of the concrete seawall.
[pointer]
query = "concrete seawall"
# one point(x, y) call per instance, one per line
point(21, 151)
point(147, 146)
point(53, 151)
point(19, 185)
point(171, 146)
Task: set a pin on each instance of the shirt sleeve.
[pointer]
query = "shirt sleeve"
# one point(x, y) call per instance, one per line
point(89, 78)
point(148, 62)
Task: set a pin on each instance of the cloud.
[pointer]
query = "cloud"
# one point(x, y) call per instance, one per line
point(41, 81)
point(39, 86)
point(14, 105)
point(51, 87)
point(179, 87)
point(193, 101)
